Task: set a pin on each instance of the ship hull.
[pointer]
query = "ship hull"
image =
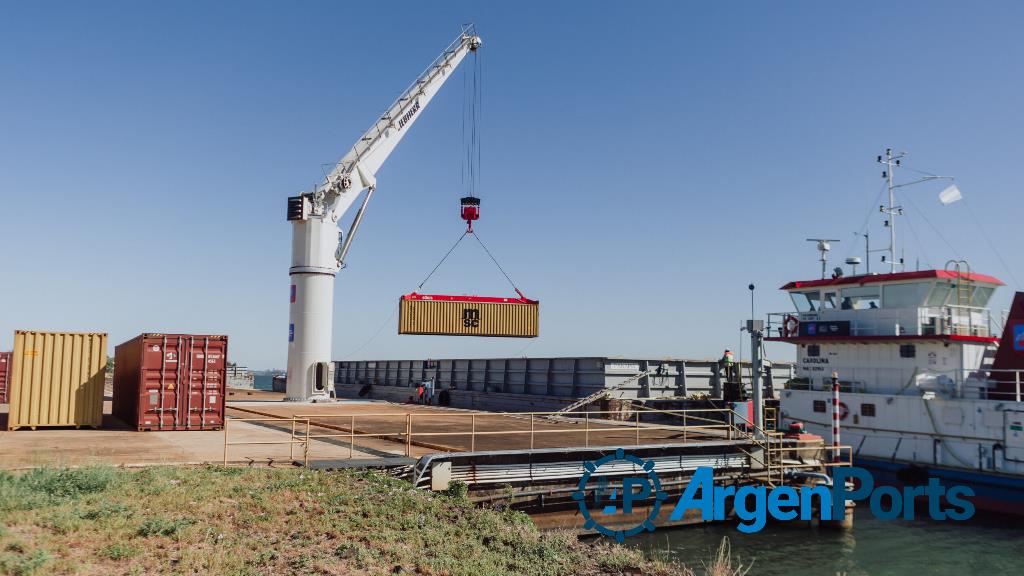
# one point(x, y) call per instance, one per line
point(998, 493)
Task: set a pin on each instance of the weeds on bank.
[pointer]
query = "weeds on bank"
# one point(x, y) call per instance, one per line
point(255, 521)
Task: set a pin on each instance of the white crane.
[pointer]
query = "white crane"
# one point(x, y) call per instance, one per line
point(318, 245)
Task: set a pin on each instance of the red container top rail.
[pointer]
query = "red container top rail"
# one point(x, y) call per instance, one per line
point(482, 299)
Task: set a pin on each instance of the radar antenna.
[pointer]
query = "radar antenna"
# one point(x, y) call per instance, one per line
point(823, 248)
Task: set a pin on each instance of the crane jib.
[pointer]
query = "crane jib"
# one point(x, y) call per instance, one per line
point(408, 115)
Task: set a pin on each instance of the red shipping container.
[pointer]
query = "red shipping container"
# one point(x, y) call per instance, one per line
point(5, 371)
point(171, 381)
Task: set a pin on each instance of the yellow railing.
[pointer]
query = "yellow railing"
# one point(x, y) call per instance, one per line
point(693, 424)
point(291, 441)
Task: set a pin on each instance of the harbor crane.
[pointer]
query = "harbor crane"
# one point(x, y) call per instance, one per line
point(318, 245)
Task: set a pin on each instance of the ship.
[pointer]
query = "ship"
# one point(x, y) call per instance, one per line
point(929, 379)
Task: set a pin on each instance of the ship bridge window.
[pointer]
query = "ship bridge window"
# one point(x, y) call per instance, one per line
point(939, 295)
point(981, 296)
point(860, 298)
point(806, 301)
point(905, 295)
point(829, 302)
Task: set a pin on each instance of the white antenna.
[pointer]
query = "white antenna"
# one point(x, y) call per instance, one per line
point(892, 161)
point(823, 247)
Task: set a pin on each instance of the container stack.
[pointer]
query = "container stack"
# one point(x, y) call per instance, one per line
point(171, 381)
point(56, 379)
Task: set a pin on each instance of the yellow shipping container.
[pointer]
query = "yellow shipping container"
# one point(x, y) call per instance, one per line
point(468, 316)
point(57, 379)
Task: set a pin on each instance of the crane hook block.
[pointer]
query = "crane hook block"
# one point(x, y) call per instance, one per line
point(470, 210)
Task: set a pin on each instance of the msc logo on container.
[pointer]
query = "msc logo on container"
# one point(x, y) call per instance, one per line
point(470, 318)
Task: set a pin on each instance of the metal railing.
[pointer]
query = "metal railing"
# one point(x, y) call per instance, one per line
point(914, 321)
point(978, 383)
point(435, 431)
point(345, 430)
point(292, 440)
point(587, 425)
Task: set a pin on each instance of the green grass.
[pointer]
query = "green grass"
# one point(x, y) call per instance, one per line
point(214, 520)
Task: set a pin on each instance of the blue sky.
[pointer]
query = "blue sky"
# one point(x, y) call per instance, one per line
point(641, 162)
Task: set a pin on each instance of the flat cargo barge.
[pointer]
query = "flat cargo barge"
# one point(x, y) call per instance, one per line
point(537, 384)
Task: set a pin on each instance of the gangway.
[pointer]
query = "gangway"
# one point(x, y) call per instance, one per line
point(599, 394)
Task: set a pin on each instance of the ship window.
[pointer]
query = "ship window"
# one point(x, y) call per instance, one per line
point(829, 302)
point(806, 301)
point(867, 409)
point(908, 351)
point(860, 298)
point(905, 295)
point(813, 350)
point(939, 295)
point(981, 296)
point(819, 405)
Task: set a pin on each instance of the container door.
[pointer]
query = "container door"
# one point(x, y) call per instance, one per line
point(158, 397)
point(205, 373)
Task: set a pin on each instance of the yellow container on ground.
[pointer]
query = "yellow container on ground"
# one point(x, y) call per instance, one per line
point(56, 379)
point(432, 315)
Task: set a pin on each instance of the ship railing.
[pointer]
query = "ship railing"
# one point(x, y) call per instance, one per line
point(977, 383)
point(779, 457)
point(916, 321)
point(989, 384)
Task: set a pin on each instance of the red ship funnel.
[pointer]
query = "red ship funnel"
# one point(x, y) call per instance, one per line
point(1010, 355)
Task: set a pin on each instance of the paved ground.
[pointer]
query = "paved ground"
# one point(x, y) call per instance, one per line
point(117, 444)
point(380, 431)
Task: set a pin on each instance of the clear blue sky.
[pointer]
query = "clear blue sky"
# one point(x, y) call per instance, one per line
point(642, 162)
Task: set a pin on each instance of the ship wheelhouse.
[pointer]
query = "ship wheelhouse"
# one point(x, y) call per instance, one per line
point(910, 332)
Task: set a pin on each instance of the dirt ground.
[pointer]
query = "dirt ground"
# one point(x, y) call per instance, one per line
point(380, 432)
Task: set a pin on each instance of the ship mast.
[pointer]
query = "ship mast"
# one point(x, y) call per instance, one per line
point(892, 161)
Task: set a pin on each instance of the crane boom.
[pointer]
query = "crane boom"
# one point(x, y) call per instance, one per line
point(357, 169)
point(318, 246)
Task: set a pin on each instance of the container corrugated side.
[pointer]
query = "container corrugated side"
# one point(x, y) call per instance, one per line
point(468, 318)
point(56, 379)
point(5, 370)
point(171, 381)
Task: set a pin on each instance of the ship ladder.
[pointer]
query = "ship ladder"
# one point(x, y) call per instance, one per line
point(599, 394)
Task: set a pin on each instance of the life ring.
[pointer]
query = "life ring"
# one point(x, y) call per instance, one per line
point(843, 411)
point(791, 326)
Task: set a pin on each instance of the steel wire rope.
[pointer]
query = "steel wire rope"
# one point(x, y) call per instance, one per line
point(992, 245)
point(920, 245)
point(933, 227)
point(867, 221)
point(984, 233)
point(495, 260)
point(394, 310)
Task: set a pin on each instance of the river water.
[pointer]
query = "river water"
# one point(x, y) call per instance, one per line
point(984, 546)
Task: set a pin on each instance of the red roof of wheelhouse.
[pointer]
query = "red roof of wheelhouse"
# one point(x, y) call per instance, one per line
point(898, 276)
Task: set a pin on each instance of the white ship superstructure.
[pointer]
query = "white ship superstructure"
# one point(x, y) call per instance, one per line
point(930, 379)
